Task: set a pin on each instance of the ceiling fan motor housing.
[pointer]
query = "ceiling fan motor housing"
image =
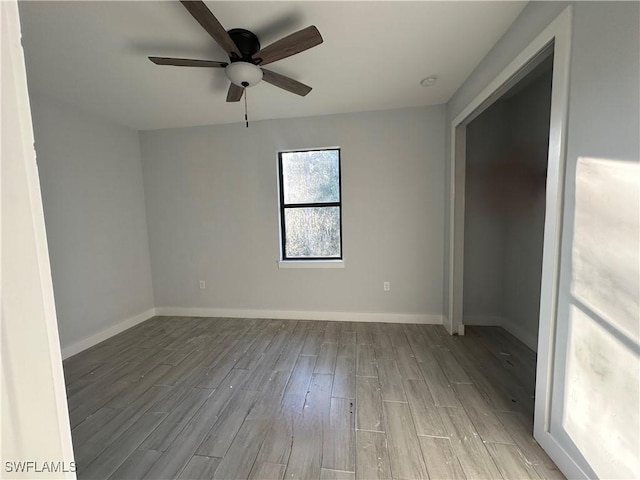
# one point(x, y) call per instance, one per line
point(246, 41)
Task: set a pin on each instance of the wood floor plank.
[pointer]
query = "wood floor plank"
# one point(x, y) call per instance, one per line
point(306, 449)
point(301, 375)
point(369, 414)
point(347, 334)
point(312, 342)
point(200, 467)
point(128, 416)
point(405, 455)
point(549, 472)
point(188, 440)
point(339, 449)
point(342, 413)
point(363, 333)
point(440, 459)
point(366, 361)
point(511, 462)
point(137, 465)
point(326, 362)
point(344, 379)
point(372, 456)
point(254, 353)
point(426, 416)
point(486, 422)
point(304, 424)
point(468, 446)
point(257, 380)
point(228, 424)
point(420, 347)
point(162, 437)
point(135, 390)
point(87, 429)
point(267, 471)
point(331, 332)
point(391, 387)
point(397, 336)
point(282, 338)
point(450, 366)
point(339, 436)
point(438, 383)
point(108, 461)
point(521, 432)
point(268, 404)
point(318, 400)
point(407, 364)
point(277, 450)
point(289, 355)
point(84, 454)
point(327, 474)
point(485, 372)
point(238, 461)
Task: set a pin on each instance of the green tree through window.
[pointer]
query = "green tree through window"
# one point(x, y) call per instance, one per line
point(310, 205)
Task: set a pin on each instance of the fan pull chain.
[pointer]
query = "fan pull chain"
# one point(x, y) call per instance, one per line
point(246, 118)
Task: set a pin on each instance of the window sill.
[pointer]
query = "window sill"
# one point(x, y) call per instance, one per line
point(311, 264)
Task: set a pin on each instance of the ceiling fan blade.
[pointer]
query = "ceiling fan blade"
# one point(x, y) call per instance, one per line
point(185, 62)
point(290, 45)
point(210, 23)
point(286, 83)
point(235, 93)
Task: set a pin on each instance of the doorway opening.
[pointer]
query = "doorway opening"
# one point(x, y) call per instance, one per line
point(505, 176)
point(554, 41)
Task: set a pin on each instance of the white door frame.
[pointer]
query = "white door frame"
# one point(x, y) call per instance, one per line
point(558, 33)
point(33, 399)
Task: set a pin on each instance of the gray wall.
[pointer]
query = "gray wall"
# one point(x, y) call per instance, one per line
point(212, 206)
point(595, 416)
point(506, 160)
point(92, 190)
point(484, 229)
point(529, 112)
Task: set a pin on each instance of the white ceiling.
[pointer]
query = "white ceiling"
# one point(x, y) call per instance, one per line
point(93, 55)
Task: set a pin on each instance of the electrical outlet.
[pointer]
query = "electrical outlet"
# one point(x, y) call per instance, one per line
point(202, 285)
point(386, 286)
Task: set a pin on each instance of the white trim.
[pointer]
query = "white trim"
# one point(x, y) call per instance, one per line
point(103, 335)
point(559, 32)
point(18, 124)
point(311, 264)
point(427, 319)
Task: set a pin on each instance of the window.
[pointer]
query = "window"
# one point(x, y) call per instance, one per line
point(310, 204)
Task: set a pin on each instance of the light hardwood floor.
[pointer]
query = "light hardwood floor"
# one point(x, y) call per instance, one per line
point(188, 398)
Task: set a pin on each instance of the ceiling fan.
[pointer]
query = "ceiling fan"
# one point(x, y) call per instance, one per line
point(246, 58)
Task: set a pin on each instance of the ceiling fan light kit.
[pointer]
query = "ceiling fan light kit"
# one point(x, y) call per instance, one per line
point(243, 74)
point(246, 58)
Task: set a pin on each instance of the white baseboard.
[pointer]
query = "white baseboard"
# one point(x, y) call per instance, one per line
point(526, 337)
point(428, 319)
point(102, 335)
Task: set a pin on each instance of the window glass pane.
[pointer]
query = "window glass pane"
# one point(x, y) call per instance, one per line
point(310, 177)
point(312, 232)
